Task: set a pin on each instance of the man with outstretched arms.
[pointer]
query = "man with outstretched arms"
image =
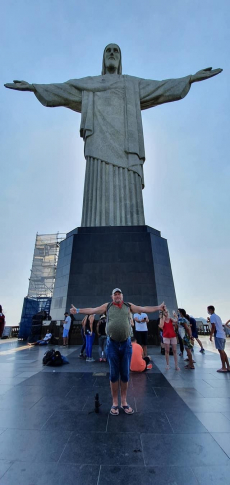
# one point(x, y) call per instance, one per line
point(119, 348)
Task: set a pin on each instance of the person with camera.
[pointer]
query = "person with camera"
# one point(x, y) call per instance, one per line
point(167, 325)
point(141, 330)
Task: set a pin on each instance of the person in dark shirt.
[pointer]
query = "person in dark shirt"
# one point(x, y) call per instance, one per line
point(90, 336)
point(192, 322)
point(2, 321)
point(102, 338)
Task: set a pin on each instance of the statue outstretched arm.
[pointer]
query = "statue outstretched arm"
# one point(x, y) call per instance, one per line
point(204, 74)
point(20, 86)
point(52, 95)
point(154, 93)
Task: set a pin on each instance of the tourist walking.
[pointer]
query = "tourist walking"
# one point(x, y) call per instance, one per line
point(169, 337)
point(219, 338)
point(192, 322)
point(119, 348)
point(185, 333)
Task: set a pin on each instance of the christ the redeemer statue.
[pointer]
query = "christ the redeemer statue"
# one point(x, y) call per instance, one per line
point(111, 127)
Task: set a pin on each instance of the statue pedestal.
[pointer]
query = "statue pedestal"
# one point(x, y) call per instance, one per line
point(95, 260)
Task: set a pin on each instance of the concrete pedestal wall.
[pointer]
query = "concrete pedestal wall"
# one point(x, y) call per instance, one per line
point(94, 260)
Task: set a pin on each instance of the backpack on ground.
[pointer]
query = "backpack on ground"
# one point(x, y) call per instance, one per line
point(52, 357)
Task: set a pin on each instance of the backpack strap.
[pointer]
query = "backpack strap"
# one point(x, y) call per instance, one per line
point(107, 314)
point(127, 304)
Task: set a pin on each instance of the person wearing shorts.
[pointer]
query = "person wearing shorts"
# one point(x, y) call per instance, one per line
point(119, 347)
point(219, 337)
point(192, 322)
point(141, 330)
point(169, 337)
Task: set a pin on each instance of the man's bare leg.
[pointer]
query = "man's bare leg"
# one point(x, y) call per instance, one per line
point(224, 361)
point(114, 391)
point(200, 343)
point(189, 354)
point(124, 389)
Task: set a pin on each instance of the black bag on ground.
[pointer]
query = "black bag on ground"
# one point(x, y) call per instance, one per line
point(52, 357)
point(53, 340)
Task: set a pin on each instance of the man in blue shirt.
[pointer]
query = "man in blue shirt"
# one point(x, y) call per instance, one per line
point(192, 322)
point(219, 337)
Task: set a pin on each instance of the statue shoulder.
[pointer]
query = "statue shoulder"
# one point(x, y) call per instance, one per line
point(85, 80)
point(132, 79)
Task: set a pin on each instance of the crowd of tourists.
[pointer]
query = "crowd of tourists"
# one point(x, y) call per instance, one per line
point(181, 328)
point(122, 332)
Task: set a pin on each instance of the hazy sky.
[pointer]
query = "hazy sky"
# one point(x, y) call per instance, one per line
point(187, 168)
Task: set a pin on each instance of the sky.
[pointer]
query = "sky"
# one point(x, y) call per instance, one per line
point(187, 168)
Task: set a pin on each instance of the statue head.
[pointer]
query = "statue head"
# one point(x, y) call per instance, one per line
point(111, 62)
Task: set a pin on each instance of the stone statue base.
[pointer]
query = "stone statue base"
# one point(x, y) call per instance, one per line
point(94, 260)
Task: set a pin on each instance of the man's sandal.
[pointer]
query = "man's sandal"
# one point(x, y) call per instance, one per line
point(126, 408)
point(188, 367)
point(116, 409)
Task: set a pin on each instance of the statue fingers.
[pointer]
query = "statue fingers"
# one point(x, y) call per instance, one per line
point(211, 71)
point(217, 71)
point(214, 72)
point(10, 86)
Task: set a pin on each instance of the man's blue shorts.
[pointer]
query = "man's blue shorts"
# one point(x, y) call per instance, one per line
point(219, 343)
point(119, 356)
point(65, 332)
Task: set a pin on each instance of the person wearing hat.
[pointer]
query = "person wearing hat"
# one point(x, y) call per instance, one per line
point(66, 327)
point(119, 347)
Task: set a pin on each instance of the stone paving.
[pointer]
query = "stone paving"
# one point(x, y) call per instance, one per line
point(50, 434)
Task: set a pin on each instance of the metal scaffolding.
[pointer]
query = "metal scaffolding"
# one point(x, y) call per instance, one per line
point(42, 279)
point(44, 265)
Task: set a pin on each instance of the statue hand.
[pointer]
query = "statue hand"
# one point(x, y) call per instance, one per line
point(20, 86)
point(205, 74)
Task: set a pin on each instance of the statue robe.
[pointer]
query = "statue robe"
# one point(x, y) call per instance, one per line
point(111, 126)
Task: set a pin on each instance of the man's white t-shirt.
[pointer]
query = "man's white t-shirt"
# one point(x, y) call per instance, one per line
point(67, 323)
point(140, 326)
point(47, 336)
point(219, 332)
